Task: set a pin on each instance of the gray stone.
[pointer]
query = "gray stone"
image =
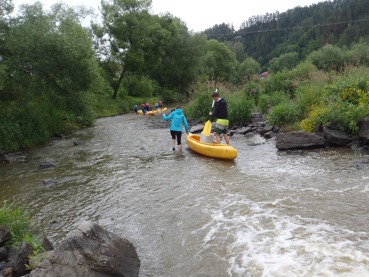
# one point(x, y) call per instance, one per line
point(299, 140)
point(5, 235)
point(90, 251)
point(336, 137)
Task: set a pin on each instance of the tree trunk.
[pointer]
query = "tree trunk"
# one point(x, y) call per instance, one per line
point(117, 85)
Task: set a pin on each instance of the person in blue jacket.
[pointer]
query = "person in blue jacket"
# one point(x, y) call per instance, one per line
point(176, 126)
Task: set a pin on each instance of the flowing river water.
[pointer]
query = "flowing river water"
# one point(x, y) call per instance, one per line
point(268, 213)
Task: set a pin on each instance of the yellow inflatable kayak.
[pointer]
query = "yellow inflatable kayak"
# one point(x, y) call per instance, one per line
point(213, 150)
point(159, 111)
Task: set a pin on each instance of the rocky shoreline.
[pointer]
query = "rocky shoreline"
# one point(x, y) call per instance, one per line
point(287, 141)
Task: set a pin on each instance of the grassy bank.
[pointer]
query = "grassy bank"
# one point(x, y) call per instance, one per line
point(299, 99)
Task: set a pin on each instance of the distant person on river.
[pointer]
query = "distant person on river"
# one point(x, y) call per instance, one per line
point(160, 104)
point(135, 108)
point(143, 108)
point(148, 106)
point(176, 126)
point(221, 115)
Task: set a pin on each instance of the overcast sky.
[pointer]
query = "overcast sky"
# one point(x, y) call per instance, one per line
point(201, 14)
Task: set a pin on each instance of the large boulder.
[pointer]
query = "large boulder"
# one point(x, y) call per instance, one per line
point(299, 140)
point(90, 251)
point(336, 137)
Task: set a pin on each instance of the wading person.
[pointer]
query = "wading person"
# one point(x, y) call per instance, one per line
point(221, 115)
point(178, 121)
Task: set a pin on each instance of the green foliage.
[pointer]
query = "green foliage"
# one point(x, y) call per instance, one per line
point(358, 55)
point(17, 220)
point(253, 90)
point(300, 29)
point(281, 81)
point(345, 106)
point(49, 79)
point(316, 116)
point(10, 134)
point(171, 96)
point(139, 86)
point(283, 114)
point(220, 62)
point(308, 95)
point(328, 58)
point(239, 109)
point(248, 68)
point(285, 61)
point(200, 106)
point(304, 71)
point(273, 99)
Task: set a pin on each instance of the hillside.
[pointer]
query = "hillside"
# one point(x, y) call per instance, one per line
point(301, 30)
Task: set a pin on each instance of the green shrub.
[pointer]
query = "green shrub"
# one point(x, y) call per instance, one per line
point(304, 70)
point(270, 100)
point(308, 96)
point(17, 220)
point(263, 103)
point(200, 106)
point(283, 114)
point(139, 86)
point(346, 116)
point(253, 90)
point(281, 81)
point(239, 109)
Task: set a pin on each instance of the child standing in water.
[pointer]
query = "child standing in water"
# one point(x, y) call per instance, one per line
point(178, 121)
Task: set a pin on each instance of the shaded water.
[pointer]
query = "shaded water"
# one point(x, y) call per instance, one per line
point(268, 213)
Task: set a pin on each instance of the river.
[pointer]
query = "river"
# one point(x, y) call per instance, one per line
point(268, 213)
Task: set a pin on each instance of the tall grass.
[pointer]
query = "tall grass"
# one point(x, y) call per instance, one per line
point(239, 109)
point(17, 220)
point(284, 114)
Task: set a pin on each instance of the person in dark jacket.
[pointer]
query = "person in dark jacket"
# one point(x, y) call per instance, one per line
point(221, 115)
point(178, 121)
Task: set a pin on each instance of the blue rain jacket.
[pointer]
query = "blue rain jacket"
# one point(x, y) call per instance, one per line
point(178, 118)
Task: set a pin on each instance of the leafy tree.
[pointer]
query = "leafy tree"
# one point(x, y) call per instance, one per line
point(248, 68)
point(6, 7)
point(134, 42)
point(284, 62)
point(49, 71)
point(328, 58)
point(359, 54)
point(220, 62)
point(239, 49)
point(180, 54)
point(127, 32)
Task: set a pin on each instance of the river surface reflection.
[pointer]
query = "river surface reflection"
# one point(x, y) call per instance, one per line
point(268, 213)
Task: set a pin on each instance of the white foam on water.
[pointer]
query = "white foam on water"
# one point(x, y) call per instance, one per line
point(366, 188)
point(259, 241)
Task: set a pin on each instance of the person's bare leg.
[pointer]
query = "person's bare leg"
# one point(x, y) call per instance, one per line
point(226, 138)
point(174, 144)
point(217, 138)
point(180, 148)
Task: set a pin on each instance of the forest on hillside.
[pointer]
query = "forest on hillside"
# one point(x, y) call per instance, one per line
point(301, 29)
